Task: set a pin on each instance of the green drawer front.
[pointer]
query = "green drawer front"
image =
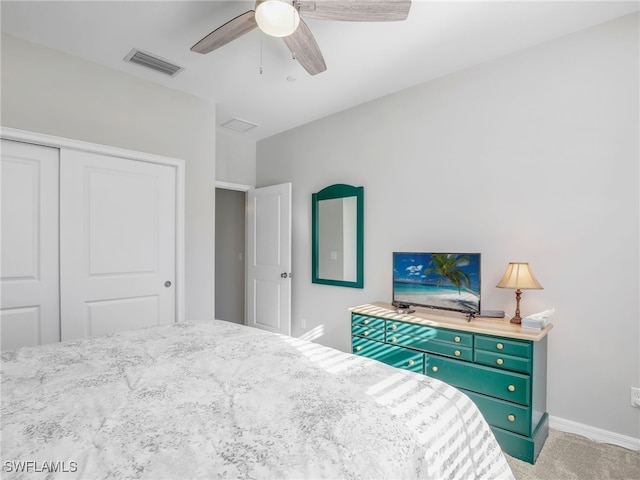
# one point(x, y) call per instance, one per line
point(366, 347)
point(465, 339)
point(435, 346)
point(521, 447)
point(498, 413)
point(367, 321)
point(403, 358)
point(366, 331)
point(395, 356)
point(505, 362)
point(513, 387)
point(504, 346)
point(426, 332)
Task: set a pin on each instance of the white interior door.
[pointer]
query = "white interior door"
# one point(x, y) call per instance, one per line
point(29, 286)
point(118, 244)
point(269, 258)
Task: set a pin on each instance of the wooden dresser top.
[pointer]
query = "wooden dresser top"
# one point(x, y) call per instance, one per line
point(458, 321)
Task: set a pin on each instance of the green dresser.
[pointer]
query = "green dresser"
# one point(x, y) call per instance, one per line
point(500, 366)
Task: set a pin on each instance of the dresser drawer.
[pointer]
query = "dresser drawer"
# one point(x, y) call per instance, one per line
point(366, 347)
point(498, 413)
point(505, 362)
point(459, 338)
point(427, 345)
point(504, 346)
point(395, 356)
point(430, 333)
point(365, 331)
point(367, 321)
point(510, 386)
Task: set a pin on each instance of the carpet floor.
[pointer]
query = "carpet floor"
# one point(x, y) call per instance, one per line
point(568, 456)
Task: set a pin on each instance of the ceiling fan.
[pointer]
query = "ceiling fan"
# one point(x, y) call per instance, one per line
point(281, 18)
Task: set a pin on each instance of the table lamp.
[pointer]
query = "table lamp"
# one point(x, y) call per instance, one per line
point(520, 277)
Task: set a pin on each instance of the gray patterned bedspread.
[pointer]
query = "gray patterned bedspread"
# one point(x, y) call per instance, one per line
point(219, 400)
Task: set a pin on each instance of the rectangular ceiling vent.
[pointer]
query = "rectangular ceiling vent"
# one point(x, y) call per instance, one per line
point(239, 125)
point(153, 62)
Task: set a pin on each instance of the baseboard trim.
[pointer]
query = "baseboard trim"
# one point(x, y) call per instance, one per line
point(593, 433)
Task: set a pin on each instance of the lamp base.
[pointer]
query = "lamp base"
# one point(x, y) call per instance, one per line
point(517, 319)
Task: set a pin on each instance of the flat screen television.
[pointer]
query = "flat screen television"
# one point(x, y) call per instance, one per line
point(447, 281)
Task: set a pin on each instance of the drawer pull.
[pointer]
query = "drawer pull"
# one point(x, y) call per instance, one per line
point(366, 322)
point(411, 362)
point(511, 388)
point(457, 353)
point(456, 339)
point(499, 346)
point(511, 418)
point(393, 327)
point(394, 339)
point(358, 348)
point(499, 361)
point(434, 368)
point(366, 333)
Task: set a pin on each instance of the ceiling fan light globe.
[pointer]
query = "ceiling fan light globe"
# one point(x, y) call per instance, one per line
point(278, 18)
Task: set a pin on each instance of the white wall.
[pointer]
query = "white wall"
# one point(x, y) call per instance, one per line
point(48, 92)
point(533, 157)
point(235, 159)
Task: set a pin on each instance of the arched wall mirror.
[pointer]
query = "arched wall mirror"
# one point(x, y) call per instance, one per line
point(337, 221)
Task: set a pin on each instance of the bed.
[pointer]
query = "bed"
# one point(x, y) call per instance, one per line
point(219, 400)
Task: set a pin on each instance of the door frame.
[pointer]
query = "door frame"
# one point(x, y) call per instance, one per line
point(234, 186)
point(179, 165)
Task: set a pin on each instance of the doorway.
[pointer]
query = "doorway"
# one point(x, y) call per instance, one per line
point(230, 255)
point(253, 256)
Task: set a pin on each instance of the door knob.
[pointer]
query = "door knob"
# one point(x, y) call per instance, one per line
point(284, 275)
point(167, 284)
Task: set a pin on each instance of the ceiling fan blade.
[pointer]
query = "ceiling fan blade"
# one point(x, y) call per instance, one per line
point(226, 33)
point(356, 10)
point(306, 50)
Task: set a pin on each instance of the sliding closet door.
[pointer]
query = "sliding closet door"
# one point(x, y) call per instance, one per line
point(29, 305)
point(117, 244)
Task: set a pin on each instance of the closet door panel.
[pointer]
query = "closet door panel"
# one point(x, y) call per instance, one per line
point(118, 241)
point(29, 306)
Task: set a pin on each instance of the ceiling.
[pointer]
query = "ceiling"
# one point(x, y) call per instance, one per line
point(364, 60)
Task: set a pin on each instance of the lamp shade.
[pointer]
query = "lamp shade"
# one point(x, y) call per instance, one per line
point(278, 18)
point(519, 276)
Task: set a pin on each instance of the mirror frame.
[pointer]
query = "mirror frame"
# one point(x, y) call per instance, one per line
point(338, 190)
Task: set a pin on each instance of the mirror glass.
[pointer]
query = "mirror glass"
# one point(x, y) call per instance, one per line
point(337, 236)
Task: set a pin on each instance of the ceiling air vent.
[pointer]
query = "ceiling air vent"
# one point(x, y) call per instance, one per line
point(239, 125)
point(153, 62)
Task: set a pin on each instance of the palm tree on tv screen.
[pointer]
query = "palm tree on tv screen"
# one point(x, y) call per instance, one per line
point(447, 266)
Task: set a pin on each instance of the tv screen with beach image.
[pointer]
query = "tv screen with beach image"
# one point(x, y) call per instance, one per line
point(449, 281)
